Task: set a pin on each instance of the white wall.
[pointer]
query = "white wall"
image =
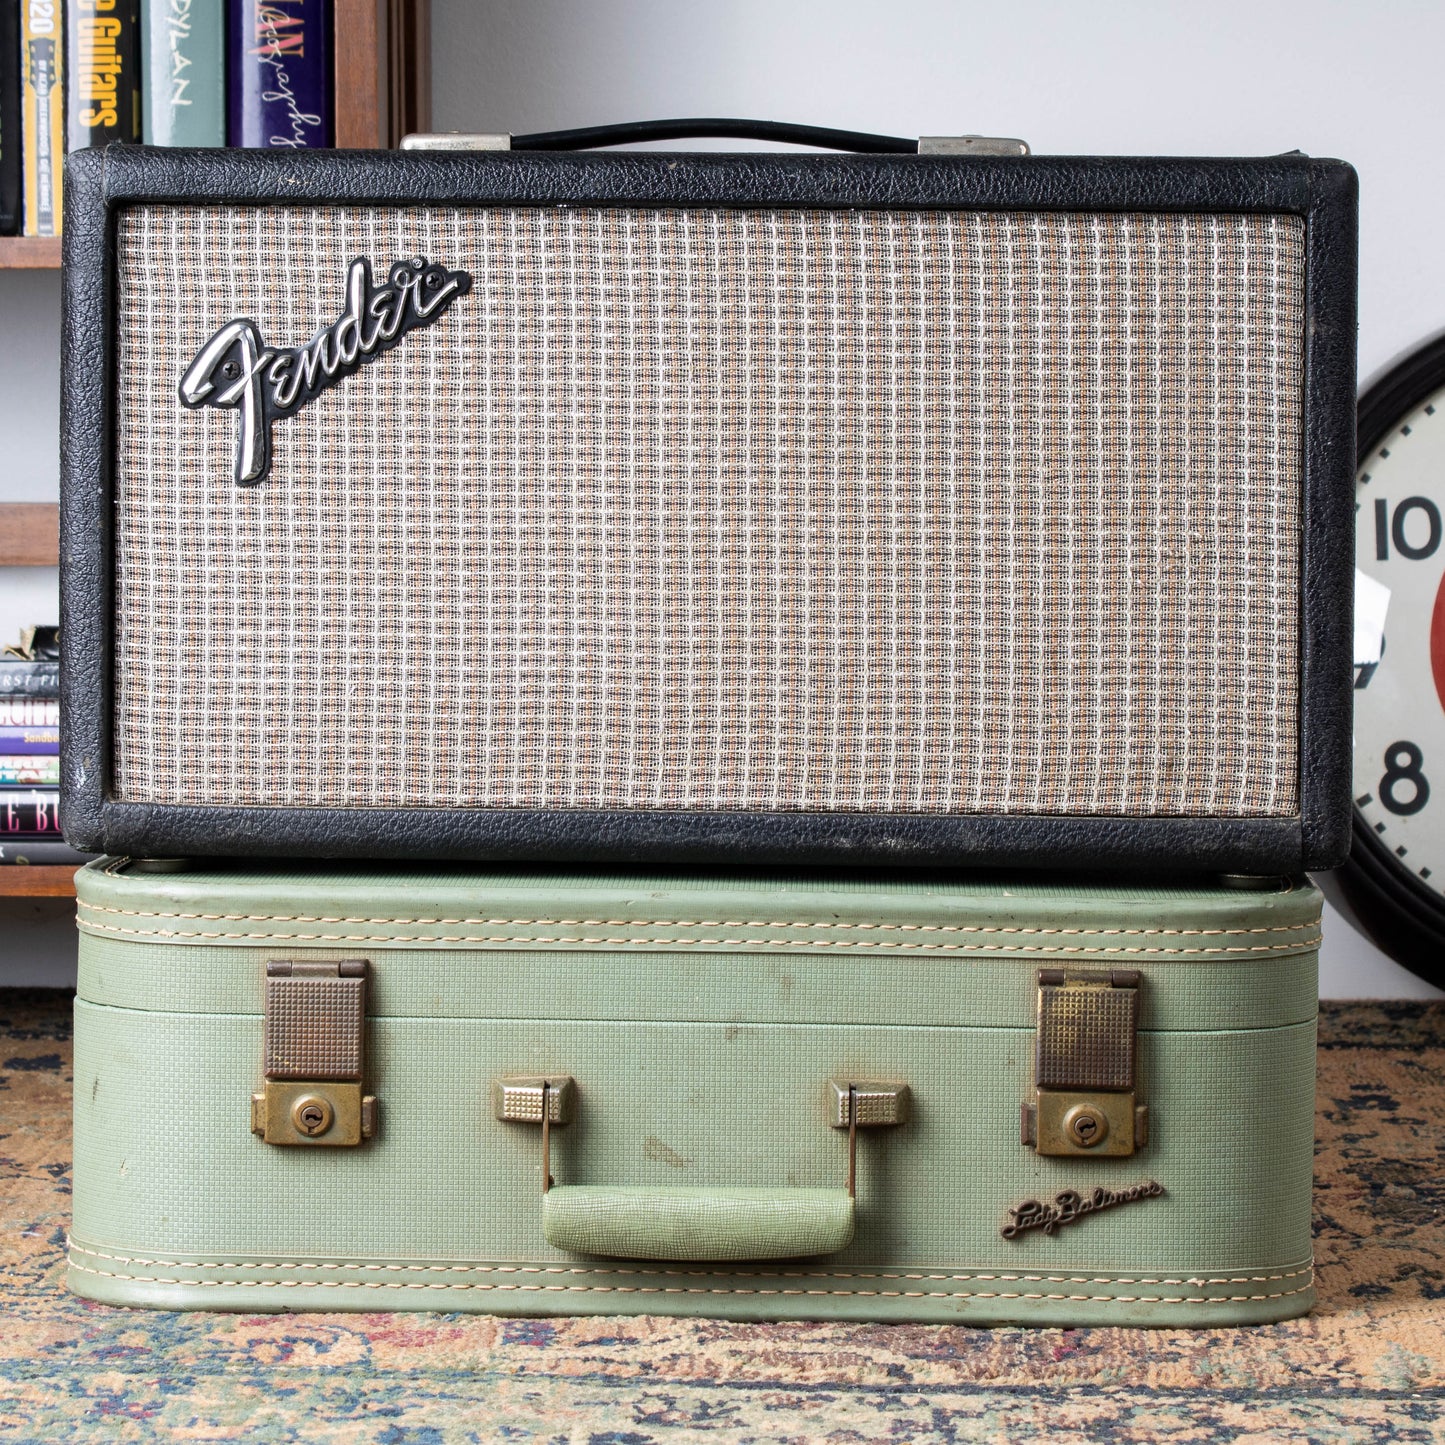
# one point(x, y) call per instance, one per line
point(1228, 78)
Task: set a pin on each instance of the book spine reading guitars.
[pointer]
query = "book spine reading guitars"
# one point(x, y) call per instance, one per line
point(34, 814)
point(43, 117)
point(183, 77)
point(278, 68)
point(23, 679)
point(36, 770)
point(102, 72)
point(10, 143)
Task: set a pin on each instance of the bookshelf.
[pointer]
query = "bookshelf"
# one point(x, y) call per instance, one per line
point(30, 537)
point(382, 84)
point(382, 87)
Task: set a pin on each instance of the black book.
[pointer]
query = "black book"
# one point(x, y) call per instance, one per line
point(12, 144)
point(38, 852)
point(29, 813)
point(20, 677)
point(102, 72)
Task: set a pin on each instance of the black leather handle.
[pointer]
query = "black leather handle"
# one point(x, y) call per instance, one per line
point(592, 136)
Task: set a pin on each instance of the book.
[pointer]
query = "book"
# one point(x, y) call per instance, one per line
point(38, 852)
point(10, 143)
point(35, 812)
point(183, 72)
point(24, 741)
point(102, 72)
point(33, 770)
point(42, 121)
point(29, 712)
point(278, 74)
point(29, 678)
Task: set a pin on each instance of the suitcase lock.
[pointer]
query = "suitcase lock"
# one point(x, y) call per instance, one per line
point(1084, 1066)
point(314, 1040)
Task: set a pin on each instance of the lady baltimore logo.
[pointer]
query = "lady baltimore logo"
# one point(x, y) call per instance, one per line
point(236, 371)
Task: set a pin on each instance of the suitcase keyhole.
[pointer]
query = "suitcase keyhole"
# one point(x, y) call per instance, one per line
point(312, 1116)
point(1085, 1125)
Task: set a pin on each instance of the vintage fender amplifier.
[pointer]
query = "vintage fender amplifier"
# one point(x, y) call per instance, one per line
point(852, 508)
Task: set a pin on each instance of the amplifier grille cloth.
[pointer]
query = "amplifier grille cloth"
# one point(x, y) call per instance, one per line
point(882, 511)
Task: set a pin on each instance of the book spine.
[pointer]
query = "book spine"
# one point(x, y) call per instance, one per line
point(36, 813)
point(279, 74)
point(42, 122)
point(33, 770)
point(27, 712)
point(10, 144)
point(19, 678)
point(183, 77)
point(23, 740)
point(39, 852)
point(102, 72)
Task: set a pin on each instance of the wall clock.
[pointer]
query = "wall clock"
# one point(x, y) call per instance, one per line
point(1395, 876)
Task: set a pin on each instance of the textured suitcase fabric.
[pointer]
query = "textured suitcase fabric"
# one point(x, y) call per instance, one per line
point(702, 1018)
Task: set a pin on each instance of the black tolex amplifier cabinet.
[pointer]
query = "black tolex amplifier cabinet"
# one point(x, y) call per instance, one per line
point(874, 509)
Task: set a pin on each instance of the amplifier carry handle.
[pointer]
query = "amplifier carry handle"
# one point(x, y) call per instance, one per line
point(592, 137)
point(697, 1224)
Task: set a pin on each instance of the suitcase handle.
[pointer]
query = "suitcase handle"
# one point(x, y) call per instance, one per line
point(668, 1222)
point(697, 1224)
point(630, 132)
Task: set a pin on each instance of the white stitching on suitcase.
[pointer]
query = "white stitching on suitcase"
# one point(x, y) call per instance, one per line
point(693, 1289)
point(960, 928)
point(962, 1274)
point(796, 944)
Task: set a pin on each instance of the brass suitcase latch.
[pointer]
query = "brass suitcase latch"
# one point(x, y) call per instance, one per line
point(1085, 1066)
point(315, 1035)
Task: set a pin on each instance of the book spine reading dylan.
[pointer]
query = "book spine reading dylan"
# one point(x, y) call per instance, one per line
point(102, 72)
point(42, 122)
point(278, 68)
point(183, 79)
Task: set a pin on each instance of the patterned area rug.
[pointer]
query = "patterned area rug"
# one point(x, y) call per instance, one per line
point(1368, 1365)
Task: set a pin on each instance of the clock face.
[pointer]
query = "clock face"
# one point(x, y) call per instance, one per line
point(1399, 769)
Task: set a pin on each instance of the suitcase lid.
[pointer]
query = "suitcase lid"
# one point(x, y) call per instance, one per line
point(700, 946)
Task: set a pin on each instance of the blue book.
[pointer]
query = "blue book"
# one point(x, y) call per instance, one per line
point(279, 74)
point(17, 740)
point(183, 80)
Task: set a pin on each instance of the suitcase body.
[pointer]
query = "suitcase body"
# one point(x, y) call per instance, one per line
point(708, 1052)
point(876, 509)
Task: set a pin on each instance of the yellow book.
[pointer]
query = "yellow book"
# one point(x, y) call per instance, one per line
point(43, 114)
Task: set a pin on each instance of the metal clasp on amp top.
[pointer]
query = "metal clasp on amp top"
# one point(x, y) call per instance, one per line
point(1084, 1066)
point(314, 1055)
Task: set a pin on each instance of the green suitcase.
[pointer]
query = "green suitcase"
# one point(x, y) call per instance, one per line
point(973, 1097)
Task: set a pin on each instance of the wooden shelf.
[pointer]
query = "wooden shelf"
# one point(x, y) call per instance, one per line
point(29, 253)
point(44, 880)
point(381, 84)
point(29, 534)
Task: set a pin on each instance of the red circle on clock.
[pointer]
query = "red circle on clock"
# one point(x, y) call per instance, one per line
point(1437, 643)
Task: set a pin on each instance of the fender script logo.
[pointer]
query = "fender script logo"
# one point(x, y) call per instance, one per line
point(1071, 1206)
point(237, 371)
